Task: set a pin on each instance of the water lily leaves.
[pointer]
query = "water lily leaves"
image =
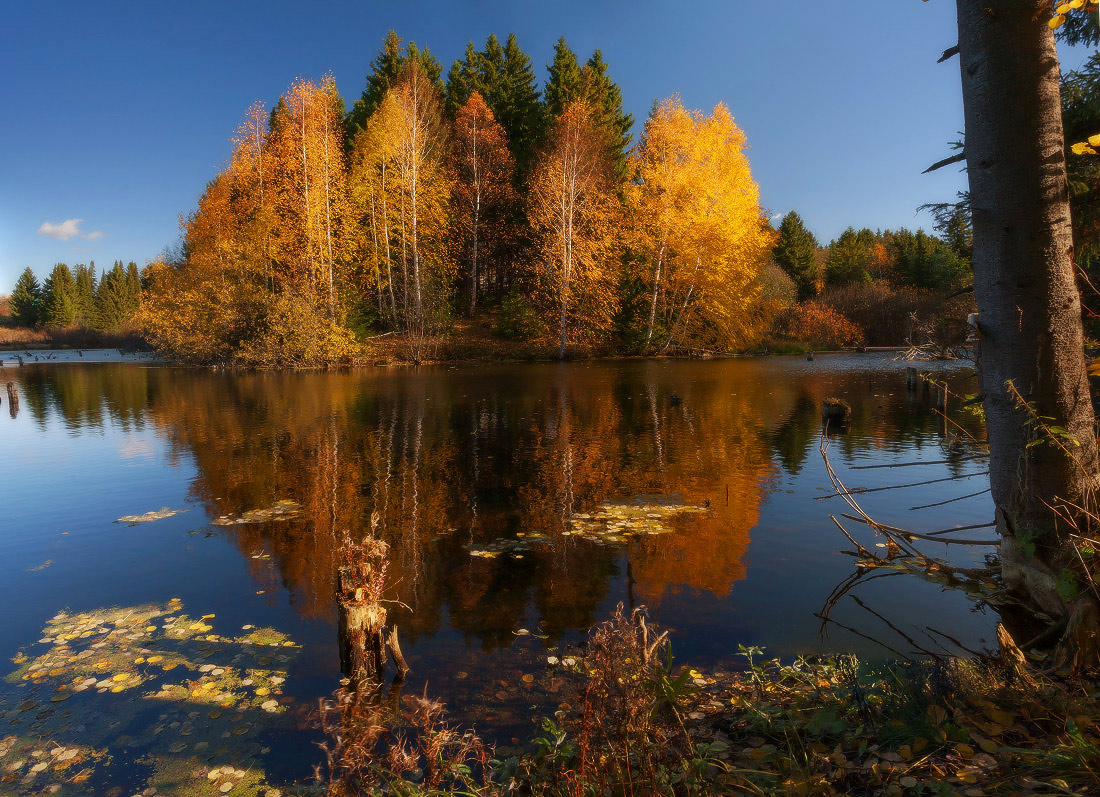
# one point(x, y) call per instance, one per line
point(124, 656)
point(616, 524)
point(280, 510)
point(149, 517)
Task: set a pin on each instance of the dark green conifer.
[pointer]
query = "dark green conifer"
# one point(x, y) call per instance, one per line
point(26, 299)
point(384, 70)
point(795, 254)
point(58, 293)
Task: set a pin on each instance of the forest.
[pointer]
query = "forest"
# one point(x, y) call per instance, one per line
point(478, 215)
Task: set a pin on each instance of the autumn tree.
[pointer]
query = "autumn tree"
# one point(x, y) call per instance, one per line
point(267, 248)
point(696, 223)
point(385, 70)
point(505, 78)
point(421, 142)
point(569, 82)
point(311, 214)
point(795, 252)
point(483, 194)
point(571, 211)
point(1030, 316)
point(26, 299)
point(402, 187)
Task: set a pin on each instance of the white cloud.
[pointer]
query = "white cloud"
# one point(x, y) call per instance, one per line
point(66, 230)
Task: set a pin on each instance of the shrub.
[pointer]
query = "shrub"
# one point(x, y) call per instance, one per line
point(823, 327)
point(892, 316)
point(519, 319)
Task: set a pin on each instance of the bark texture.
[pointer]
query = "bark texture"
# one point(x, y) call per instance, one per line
point(1029, 306)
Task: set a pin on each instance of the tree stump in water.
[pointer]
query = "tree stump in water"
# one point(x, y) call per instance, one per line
point(362, 624)
point(13, 400)
point(912, 379)
point(835, 414)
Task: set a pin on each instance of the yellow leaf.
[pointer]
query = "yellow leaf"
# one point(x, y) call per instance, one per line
point(1062, 9)
point(987, 744)
point(1095, 140)
point(965, 750)
point(1056, 22)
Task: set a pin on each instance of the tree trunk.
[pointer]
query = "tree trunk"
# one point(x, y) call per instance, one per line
point(1029, 307)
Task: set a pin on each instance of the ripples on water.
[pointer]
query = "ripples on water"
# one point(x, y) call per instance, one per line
point(476, 477)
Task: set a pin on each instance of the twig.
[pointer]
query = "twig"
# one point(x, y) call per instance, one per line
point(860, 634)
point(923, 462)
point(950, 500)
point(894, 628)
point(861, 490)
point(895, 530)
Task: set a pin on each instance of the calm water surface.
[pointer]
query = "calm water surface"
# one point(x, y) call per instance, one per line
point(510, 496)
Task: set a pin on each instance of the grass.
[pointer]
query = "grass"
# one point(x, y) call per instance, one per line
point(632, 723)
point(16, 338)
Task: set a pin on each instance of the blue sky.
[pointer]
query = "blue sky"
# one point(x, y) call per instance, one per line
point(117, 114)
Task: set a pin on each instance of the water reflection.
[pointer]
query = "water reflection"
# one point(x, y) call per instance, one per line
point(436, 461)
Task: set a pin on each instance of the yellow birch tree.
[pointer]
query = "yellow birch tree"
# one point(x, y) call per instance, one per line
point(571, 210)
point(697, 223)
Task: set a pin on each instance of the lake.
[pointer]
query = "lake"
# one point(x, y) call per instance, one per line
point(521, 504)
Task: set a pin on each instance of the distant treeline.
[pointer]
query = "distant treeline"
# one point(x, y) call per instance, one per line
point(77, 297)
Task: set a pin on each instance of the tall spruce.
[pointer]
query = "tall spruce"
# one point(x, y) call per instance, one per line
point(520, 112)
point(133, 287)
point(25, 301)
point(58, 296)
point(385, 69)
point(606, 99)
point(84, 280)
point(505, 79)
point(795, 254)
point(564, 83)
point(569, 81)
point(111, 301)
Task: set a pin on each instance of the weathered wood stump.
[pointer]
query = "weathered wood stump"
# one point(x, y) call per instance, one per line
point(13, 400)
point(363, 636)
point(361, 625)
point(835, 413)
point(912, 378)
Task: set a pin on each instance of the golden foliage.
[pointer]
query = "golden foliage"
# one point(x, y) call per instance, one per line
point(483, 192)
point(698, 229)
point(266, 248)
point(572, 210)
point(401, 185)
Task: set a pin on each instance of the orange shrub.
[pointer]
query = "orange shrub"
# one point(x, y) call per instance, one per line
point(823, 327)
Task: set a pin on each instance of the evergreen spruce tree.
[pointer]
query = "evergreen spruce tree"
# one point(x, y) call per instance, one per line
point(26, 299)
point(133, 288)
point(58, 295)
point(505, 78)
point(794, 253)
point(564, 84)
point(606, 98)
point(385, 68)
point(520, 112)
point(463, 79)
point(84, 280)
point(111, 301)
point(850, 257)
